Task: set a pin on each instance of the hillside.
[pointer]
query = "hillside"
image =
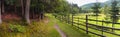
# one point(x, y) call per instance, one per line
point(88, 6)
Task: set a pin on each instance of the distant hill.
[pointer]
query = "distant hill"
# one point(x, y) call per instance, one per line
point(88, 6)
point(109, 2)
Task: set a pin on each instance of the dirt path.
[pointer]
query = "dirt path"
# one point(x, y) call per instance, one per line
point(60, 31)
point(56, 27)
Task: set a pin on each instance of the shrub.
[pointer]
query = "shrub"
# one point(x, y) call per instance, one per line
point(16, 28)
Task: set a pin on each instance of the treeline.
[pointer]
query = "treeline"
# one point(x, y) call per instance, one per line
point(28, 8)
point(111, 11)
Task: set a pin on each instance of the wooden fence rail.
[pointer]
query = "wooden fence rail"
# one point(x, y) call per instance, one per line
point(96, 20)
point(88, 25)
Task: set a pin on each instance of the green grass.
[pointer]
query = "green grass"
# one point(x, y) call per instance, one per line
point(71, 31)
point(52, 31)
point(67, 29)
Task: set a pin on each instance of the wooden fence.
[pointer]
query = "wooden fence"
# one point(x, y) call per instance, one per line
point(88, 25)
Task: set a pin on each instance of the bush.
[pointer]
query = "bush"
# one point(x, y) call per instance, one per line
point(16, 28)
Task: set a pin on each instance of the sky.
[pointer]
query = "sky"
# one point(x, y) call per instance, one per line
point(83, 2)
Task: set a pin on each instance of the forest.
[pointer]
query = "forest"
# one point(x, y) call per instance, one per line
point(59, 18)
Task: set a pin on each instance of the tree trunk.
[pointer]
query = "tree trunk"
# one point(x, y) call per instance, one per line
point(0, 13)
point(33, 15)
point(41, 15)
point(3, 9)
point(27, 8)
point(23, 10)
point(15, 8)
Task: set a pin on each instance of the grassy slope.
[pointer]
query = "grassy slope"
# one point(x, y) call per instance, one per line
point(67, 29)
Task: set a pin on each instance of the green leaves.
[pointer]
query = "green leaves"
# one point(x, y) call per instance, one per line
point(17, 28)
point(96, 8)
point(11, 2)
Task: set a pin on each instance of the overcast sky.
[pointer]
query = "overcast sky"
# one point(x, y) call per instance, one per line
point(83, 2)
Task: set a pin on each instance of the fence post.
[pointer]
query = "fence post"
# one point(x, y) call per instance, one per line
point(103, 36)
point(87, 24)
point(78, 22)
point(72, 19)
point(102, 27)
point(78, 19)
point(60, 18)
point(68, 19)
point(113, 26)
point(65, 19)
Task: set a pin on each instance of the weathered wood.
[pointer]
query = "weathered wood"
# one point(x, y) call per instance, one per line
point(99, 21)
point(90, 32)
point(78, 20)
point(102, 28)
point(87, 24)
point(68, 19)
point(72, 19)
point(113, 25)
point(94, 26)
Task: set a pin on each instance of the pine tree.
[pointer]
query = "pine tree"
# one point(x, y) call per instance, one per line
point(96, 8)
point(114, 11)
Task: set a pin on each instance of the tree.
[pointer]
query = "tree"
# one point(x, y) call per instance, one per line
point(106, 11)
point(114, 11)
point(27, 8)
point(3, 10)
point(0, 12)
point(96, 8)
point(23, 9)
point(40, 7)
point(12, 3)
point(80, 10)
point(75, 8)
